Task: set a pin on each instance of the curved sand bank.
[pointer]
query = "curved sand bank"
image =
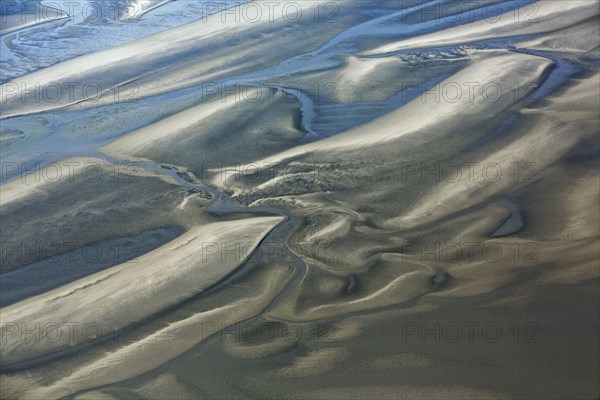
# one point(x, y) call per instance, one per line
point(240, 125)
point(547, 16)
point(432, 116)
point(167, 275)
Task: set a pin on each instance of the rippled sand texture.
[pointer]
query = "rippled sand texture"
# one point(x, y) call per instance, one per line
point(320, 200)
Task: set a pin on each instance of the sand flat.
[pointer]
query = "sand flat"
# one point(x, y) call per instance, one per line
point(424, 228)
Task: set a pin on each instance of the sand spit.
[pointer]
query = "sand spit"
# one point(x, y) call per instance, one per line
point(167, 275)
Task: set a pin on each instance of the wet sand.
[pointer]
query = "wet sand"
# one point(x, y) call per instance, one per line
point(400, 202)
